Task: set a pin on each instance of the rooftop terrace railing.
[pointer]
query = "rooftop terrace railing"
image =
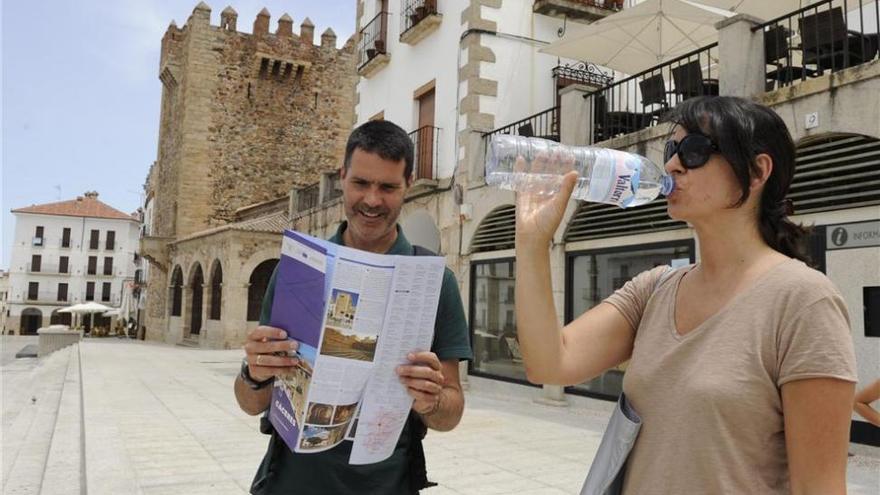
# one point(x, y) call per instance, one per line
point(642, 100)
point(827, 36)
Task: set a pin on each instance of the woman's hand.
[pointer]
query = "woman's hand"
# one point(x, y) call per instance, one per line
point(538, 215)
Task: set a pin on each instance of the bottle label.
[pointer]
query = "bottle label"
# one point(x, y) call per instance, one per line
point(612, 178)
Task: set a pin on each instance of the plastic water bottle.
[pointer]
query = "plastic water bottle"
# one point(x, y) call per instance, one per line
point(605, 175)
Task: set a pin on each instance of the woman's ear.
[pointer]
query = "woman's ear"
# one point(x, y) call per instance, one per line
point(763, 169)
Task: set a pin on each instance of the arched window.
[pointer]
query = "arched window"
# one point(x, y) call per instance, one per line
point(31, 321)
point(194, 303)
point(257, 285)
point(59, 318)
point(216, 291)
point(496, 231)
point(176, 291)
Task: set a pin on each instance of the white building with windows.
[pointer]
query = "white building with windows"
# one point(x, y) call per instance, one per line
point(67, 253)
point(456, 72)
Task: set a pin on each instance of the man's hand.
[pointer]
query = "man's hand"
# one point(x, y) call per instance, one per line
point(423, 380)
point(266, 350)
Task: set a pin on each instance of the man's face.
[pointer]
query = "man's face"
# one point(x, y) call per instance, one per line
point(373, 190)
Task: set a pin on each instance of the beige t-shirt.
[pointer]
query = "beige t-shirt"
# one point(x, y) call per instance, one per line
point(710, 402)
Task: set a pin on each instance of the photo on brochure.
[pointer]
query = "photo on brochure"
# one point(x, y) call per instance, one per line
point(340, 337)
point(320, 437)
point(296, 384)
point(319, 414)
point(343, 413)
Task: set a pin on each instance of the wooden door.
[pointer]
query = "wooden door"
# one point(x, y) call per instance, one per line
point(425, 137)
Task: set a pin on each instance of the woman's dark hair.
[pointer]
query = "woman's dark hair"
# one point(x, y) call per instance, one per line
point(742, 130)
point(383, 138)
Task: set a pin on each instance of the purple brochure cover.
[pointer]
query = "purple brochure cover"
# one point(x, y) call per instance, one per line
point(298, 308)
point(298, 305)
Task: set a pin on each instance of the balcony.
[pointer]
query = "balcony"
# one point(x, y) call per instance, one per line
point(816, 40)
point(314, 195)
point(372, 45)
point(45, 297)
point(642, 100)
point(543, 124)
point(419, 19)
point(44, 269)
point(577, 10)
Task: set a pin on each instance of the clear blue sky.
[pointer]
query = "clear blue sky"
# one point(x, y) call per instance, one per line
point(81, 92)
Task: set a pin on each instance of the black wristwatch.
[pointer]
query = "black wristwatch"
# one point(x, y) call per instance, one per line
point(246, 377)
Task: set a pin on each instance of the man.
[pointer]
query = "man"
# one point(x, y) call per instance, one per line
point(376, 174)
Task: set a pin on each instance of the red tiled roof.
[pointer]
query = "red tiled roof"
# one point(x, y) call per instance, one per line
point(80, 207)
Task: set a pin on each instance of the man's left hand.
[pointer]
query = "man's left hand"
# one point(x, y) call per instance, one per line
point(423, 380)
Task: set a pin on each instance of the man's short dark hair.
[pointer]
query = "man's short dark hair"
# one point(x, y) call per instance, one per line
point(383, 138)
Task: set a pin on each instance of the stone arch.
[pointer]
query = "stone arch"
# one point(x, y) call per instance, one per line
point(60, 318)
point(175, 291)
point(257, 284)
point(31, 321)
point(496, 231)
point(215, 291)
point(194, 302)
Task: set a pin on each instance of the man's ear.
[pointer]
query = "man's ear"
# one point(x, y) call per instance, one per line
point(763, 169)
point(342, 172)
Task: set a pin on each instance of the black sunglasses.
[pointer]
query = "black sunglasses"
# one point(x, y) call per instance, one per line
point(693, 150)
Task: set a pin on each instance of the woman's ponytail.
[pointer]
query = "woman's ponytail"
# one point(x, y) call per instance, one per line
point(780, 233)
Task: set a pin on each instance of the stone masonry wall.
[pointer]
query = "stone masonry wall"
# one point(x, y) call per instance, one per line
point(245, 117)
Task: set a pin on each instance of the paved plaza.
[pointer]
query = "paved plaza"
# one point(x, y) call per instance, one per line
point(162, 419)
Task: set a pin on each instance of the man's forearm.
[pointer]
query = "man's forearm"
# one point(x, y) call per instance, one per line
point(249, 400)
point(448, 412)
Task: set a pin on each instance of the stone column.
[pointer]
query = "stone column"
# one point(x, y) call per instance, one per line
point(741, 51)
point(576, 126)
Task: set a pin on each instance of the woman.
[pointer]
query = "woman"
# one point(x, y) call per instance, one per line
point(742, 366)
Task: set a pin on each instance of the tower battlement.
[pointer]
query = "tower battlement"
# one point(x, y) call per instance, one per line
point(246, 117)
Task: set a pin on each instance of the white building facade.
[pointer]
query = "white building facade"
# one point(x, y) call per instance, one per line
point(67, 253)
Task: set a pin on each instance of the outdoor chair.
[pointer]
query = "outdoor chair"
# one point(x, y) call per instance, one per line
point(526, 130)
point(608, 124)
point(827, 43)
point(689, 82)
point(777, 53)
point(654, 93)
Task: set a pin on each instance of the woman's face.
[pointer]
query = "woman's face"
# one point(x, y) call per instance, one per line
point(701, 194)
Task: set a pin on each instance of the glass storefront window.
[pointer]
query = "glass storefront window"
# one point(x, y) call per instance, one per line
point(595, 275)
point(493, 321)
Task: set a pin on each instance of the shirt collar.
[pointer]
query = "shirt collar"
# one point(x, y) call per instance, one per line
point(400, 246)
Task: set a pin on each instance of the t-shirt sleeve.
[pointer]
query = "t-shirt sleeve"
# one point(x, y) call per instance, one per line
point(450, 329)
point(817, 343)
point(632, 298)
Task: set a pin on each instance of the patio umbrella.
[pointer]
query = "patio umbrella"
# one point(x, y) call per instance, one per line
point(90, 308)
point(640, 37)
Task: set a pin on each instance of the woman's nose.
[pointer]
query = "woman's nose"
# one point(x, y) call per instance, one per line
point(673, 165)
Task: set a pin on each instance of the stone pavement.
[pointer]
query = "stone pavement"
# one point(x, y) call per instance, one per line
point(163, 420)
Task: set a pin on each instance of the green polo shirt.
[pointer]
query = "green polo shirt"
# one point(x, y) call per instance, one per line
point(285, 472)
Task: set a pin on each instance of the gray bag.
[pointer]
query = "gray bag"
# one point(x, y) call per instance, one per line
point(606, 473)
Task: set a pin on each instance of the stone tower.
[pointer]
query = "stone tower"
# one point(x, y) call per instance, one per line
point(245, 117)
